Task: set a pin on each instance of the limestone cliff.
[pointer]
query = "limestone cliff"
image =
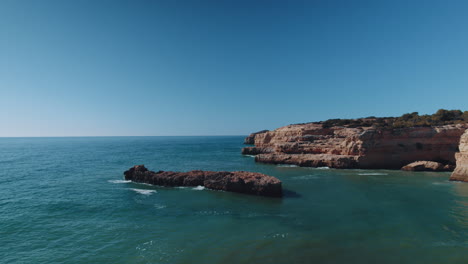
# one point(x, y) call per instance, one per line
point(316, 145)
point(250, 140)
point(461, 171)
point(423, 165)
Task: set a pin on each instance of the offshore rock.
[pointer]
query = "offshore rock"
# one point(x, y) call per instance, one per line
point(237, 181)
point(427, 166)
point(315, 145)
point(461, 171)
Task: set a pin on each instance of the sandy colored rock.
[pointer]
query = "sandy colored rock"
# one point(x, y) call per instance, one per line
point(461, 171)
point(250, 139)
point(426, 166)
point(311, 160)
point(361, 147)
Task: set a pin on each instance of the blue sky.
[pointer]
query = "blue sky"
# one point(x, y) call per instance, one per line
point(110, 68)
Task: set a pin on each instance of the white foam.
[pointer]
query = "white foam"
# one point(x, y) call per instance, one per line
point(282, 235)
point(323, 168)
point(441, 183)
point(143, 191)
point(118, 181)
point(306, 177)
point(147, 184)
point(252, 156)
point(372, 174)
point(199, 188)
point(450, 244)
point(287, 165)
point(159, 206)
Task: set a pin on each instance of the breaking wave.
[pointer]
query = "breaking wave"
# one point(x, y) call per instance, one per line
point(118, 181)
point(143, 191)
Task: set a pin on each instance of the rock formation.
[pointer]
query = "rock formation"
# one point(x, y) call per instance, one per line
point(250, 140)
point(427, 166)
point(237, 181)
point(461, 171)
point(316, 145)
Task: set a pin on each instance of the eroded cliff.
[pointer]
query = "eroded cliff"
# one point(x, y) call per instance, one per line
point(367, 147)
point(461, 171)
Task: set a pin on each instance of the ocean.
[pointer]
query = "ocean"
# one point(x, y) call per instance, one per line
point(64, 200)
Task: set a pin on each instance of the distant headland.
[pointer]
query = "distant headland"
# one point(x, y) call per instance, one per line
point(367, 143)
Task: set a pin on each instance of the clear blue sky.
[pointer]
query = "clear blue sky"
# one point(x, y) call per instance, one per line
point(96, 68)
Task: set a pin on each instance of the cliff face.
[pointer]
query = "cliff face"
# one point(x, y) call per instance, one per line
point(250, 140)
point(461, 171)
point(362, 147)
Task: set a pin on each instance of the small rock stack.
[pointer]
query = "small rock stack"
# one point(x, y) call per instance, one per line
point(237, 181)
point(461, 171)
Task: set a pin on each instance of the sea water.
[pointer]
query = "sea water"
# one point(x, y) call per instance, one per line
point(64, 200)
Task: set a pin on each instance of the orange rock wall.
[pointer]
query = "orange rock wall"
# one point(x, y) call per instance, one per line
point(461, 171)
point(362, 147)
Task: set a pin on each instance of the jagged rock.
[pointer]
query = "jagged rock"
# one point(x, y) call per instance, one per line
point(449, 167)
point(312, 144)
point(250, 139)
point(237, 181)
point(427, 166)
point(310, 160)
point(461, 171)
point(255, 150)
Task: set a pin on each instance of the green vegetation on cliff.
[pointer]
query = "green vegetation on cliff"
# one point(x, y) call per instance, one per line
point(441, 117)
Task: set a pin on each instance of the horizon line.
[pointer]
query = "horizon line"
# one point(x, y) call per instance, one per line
point(124, 136)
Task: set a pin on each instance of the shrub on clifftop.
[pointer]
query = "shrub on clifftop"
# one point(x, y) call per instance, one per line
point(441, 117)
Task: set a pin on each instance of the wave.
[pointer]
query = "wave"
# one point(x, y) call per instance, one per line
point(118, 181)
point(213, 212)
point(160, 206)
point(278, 235)
point(199, 188)
point(372, 174)
point(449, 244)
point(306, 177)
point(287, 165)
point(442, 183)
point(144, 191)
point(323, 168)
point(252, 156)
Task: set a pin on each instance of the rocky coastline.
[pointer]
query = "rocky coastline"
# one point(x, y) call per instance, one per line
point(461, 171)
point(363, 147)
point(250, 139)
point(237, 181)
point(427, 166)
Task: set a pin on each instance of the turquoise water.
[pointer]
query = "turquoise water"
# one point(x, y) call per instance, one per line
point(63, 200)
